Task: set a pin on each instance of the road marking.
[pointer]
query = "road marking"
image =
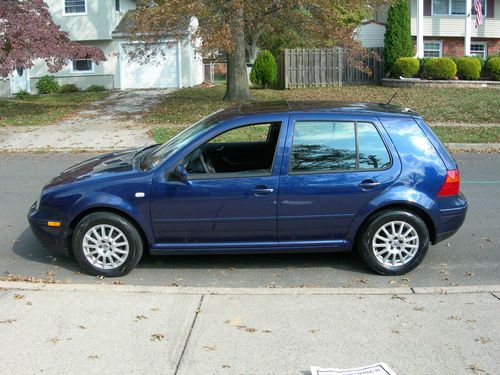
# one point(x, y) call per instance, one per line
point(480, 182)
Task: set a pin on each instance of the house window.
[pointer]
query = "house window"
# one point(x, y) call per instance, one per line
point(452, 7)
point(82, 66)
point(117, 5)
point(75, 6)
point(479, 50)
point(432, 49)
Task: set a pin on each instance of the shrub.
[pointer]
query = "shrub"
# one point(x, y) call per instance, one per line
point(468, 68)
point(397, 40)
point(406, 67)
point(69, 87)
point(47, 85)
point(494, 68)
point(96, 88)
point(22, 95)
point(265, 70)
point(423, 61)
point(440, 68)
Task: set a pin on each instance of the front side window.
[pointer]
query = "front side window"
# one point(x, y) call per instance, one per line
point(432, 49)
point(117, 5)
point(244, 151)
point(82, 66)
point(325, 146)
point(75, 6)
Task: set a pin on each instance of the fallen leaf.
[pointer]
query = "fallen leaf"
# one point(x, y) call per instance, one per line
point(209, 348)
point(226, 366)
point(476, 369)
point(18, 296)
point(469, 274)
point(155, 309)
point(82, 327)
point(100, 277)
point(483, 340)
point(313, 331)
point(7, 321)
point(454, 317)
point(418, 308)
point(118, 282)
point(157, 337)
point(140, 317)
point(93, 356)
point(55, 339)
point(266, 331)
point(395, 296)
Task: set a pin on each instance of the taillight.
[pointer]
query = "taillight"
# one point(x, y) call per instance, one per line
point(451, 185)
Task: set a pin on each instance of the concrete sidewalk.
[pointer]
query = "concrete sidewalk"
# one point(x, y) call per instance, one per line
point(113, 329)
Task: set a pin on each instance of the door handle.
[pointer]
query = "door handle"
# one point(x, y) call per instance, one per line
point(368, 184)
point(262, 191)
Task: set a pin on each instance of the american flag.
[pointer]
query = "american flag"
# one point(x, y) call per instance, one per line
point(478, 9)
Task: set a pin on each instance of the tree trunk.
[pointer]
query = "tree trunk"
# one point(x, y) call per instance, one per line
point(237, 79)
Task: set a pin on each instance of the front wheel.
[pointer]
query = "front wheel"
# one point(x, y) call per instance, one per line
point(394, 242)
point(106, 244)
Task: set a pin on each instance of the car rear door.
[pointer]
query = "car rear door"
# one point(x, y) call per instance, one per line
point(333, 166)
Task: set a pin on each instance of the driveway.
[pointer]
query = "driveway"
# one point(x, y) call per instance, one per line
point(108, 124)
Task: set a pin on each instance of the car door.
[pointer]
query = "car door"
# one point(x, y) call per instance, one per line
point(221, 210)
point(333, 166)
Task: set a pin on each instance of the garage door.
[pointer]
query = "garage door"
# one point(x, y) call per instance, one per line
point(160, 72)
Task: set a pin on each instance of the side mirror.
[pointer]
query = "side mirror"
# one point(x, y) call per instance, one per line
point(180, 173)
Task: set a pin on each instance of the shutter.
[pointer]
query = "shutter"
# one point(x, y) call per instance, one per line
point(427, 7)
point(490, 8)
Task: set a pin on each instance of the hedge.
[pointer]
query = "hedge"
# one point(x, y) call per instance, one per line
point(494, 68)
point(406, 67)
point(265, 70)
point(440, 68)
point(468, 68)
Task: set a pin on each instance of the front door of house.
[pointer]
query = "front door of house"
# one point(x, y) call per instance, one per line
point(19, 81)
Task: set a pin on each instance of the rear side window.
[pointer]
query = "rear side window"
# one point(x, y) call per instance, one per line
point(372, 151)
point(325, 146)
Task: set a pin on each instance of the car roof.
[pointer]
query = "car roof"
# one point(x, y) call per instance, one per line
point(285, 106)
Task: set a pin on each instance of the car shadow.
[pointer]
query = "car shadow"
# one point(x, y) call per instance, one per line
point(28, 247)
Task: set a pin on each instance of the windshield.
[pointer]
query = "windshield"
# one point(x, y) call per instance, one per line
point(154, 158)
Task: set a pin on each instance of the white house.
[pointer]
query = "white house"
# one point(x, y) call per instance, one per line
point(103, 23)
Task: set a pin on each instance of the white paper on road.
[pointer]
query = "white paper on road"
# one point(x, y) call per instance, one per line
point(376, 369)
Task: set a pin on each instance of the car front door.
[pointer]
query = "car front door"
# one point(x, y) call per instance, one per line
point(233, 206)
point(333, 166)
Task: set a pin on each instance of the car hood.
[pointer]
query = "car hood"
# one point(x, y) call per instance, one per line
point(113, 163)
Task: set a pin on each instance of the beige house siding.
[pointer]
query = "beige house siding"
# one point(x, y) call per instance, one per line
point(371, 34)
point(437, 26)
point(99, 22)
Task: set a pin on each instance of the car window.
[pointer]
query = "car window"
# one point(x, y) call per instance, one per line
point(252, 133)
point(243, 151)
point(323, 146)
point(372, 151)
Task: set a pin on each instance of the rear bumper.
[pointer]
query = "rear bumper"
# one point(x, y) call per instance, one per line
point(450, 219)
point(53, 239)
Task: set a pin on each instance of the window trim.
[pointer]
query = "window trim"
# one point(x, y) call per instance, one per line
point(72, 71)
point(485, 45)
point(74, 14)
point(232, 175)
point(440, 42)
point(449, 14)
point(357, 169)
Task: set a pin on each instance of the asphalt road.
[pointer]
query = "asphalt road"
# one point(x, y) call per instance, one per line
point(471, 257)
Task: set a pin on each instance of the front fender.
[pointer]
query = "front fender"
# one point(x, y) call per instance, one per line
point(401, 195)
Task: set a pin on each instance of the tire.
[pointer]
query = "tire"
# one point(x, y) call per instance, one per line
point(117, 251)
point(403, 253)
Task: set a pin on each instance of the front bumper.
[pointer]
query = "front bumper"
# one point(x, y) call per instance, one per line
point(51, 238)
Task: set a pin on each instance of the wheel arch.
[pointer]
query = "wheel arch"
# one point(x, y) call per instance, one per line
point(74, 222)
point(414, 209)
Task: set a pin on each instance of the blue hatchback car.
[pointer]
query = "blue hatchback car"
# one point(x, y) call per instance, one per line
point(262, 177)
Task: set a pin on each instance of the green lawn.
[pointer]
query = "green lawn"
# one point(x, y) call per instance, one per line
point(457, 105)
point(44, 109)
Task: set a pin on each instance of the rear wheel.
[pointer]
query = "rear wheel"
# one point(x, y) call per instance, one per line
point(106, 244)
point(394, 242)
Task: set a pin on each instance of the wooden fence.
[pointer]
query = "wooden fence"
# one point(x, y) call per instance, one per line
point(328, 66)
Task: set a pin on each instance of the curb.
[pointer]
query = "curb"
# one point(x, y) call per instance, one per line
point(473, 147)
point(10, 285)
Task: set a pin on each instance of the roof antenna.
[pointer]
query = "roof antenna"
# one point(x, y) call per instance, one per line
point(392, 97)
